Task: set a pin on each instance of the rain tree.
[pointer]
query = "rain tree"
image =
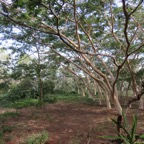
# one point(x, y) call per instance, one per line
point(98, 37)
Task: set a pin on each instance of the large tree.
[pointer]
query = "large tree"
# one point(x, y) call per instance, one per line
point(98, 37)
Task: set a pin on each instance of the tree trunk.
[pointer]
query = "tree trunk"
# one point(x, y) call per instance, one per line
point(121, 90)
point(141, 106)
point(40, 82)
point(41, 91)
point(120, 117)
point(108, 101)
point(128, 89)
point(88, 87)
point(78, 90)
point(83, 92)
point(40, 86)
point(117, 105)
point(100, 97)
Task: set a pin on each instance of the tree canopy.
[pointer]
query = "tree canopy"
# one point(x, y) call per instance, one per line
point(103, 39)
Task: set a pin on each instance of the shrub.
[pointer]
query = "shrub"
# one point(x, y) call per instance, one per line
point(48, 87)
point(24, 89)
point(50, 98)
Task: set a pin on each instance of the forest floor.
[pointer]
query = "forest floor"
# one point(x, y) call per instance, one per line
point(66, 123)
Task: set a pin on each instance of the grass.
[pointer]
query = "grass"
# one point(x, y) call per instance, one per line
point(40, 138)
point(49, 98)
point(21, 103)
point(4, 128)
point(24, 103)
point(9, 114)
point(68, 98)
point(6, 115)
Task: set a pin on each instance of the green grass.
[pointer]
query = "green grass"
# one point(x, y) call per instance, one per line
point(49, 98)
point(4, 117)
point(71, 98)
point(9, 114)
point(40, 138)
point(67, 97)
point(76, 99)
point(21, 103)
point(24, 103)
point(5, 129)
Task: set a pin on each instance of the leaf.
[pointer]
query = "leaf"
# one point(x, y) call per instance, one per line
point(133, 130)
point(141, 136)
point(126, 131)
point(125, 119)
point(125, 139)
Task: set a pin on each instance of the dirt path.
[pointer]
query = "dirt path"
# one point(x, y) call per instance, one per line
point(65, 123)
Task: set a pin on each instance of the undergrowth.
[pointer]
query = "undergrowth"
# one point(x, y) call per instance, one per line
point(40, 138)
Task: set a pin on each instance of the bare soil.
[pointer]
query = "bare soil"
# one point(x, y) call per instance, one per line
point(66, 123)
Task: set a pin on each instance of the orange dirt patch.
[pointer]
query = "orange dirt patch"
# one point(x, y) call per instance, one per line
point(65, 123)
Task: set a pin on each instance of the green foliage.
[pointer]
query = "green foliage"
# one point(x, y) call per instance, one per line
point(24, 103)
point(69, 98)
point(89, 101)
point(4, 87)
point(40, 138)
point(4, 129)
point(50, 98)
point(128, 135)
point(24, 89)
point(48, 87)
point(20, 103)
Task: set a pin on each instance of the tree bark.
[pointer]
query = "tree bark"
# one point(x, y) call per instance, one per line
point(141, 106)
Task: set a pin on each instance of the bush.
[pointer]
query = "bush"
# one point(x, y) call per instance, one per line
point(24, 89)
point(50, 99)
point(48, 87)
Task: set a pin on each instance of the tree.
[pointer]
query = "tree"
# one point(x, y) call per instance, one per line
point(97, 37)
point(5, 70)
